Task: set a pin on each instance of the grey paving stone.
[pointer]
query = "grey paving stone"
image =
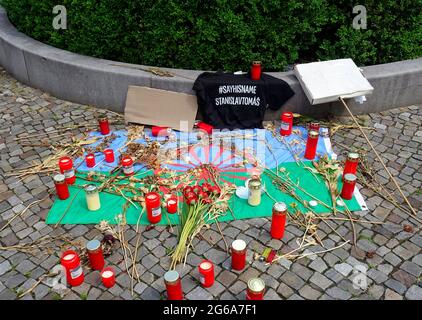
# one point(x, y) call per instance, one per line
point(199, 293)
point(344, 268)
point(338, 293)
point(5, 266)
point(392, 295)
point(396, 286)
point(321, 281)
point(292, 280)
point(412, 268)
point(414, 293)
point(309, 293)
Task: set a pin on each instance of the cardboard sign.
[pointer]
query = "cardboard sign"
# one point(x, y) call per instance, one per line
point(162, 108)
point(327, 81)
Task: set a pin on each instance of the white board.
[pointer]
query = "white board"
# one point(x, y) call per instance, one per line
point(326, 81)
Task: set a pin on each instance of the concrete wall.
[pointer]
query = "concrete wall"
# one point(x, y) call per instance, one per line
point(104, 83)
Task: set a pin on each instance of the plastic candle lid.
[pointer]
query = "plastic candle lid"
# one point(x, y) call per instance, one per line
point(313, 203)
point(172, 201)
point(69, 256)
point(59, 178)
point(65, 160)
point(93, 245)
point(280, 206)
point(90, 188)
point(171, 276)
point(313, 133)
point(107, 274)
point(353, 155)
point(350, 177)
point(205, 265)
point(242, 192)
point(256, 284)
point(239, 245)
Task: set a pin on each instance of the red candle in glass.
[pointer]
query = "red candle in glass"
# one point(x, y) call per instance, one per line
point(72, 264)
point(349, 182)
point(153, 205)
point(173, 285)
point(351, 165)
point(286, 123)
point(66, 167)
point(95, 254)
point(108, 277)
point(109, 155)
point(255, 289)
point(162, 131)
point(171, 205)
point(314, 126)
point(206, 273)
point(256, 70)
point(127, 165)
point(238, 251)
point(206, 127)
point(104, 125)
point(62, 189)
point(278, 221)
point(311, 144)
point(90, 160)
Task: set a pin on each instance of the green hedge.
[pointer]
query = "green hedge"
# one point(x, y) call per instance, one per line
point(226, 34)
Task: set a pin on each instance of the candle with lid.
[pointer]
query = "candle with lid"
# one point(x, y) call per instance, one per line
point(254, 198)
point(62, 189)
point(90, 160)
point(351, 164)
point(92, 197)
point(349, 182)
point(205, 126)
point(286, 123)
point(104, 125)
point(127, 165)
point(153, 206)
point(173, 285)
point(256, 70)
point(278, 220)
point(72, 264)
point(109, 155)
point(238, 252)
point(108, 277)
point(311, 144)
point(255, 289)
point(66, 168)
point(314, 126)
point(206, 273)
point(95, 254)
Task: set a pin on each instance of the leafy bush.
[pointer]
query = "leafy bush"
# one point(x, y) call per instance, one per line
point(226, 34)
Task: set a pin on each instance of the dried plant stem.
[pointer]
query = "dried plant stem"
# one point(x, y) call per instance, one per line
point(67, 208)
point(379, 157)
point(20, 214)
point(51, 274)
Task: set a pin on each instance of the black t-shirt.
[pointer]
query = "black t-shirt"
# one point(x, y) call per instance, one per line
point(231, 101)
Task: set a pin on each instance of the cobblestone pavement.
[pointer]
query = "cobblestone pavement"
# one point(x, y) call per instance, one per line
point(392, 256)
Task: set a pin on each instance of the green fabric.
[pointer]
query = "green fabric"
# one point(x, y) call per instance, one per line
point(111, 205)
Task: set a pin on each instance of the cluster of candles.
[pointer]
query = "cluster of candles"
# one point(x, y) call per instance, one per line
point(350, 168)
point(74, 273)
point(255, 289)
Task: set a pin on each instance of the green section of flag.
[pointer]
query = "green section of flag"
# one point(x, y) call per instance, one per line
point(111, 205)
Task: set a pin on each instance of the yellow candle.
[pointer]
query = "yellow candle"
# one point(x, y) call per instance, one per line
point(92, 198)
point(254, 198)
